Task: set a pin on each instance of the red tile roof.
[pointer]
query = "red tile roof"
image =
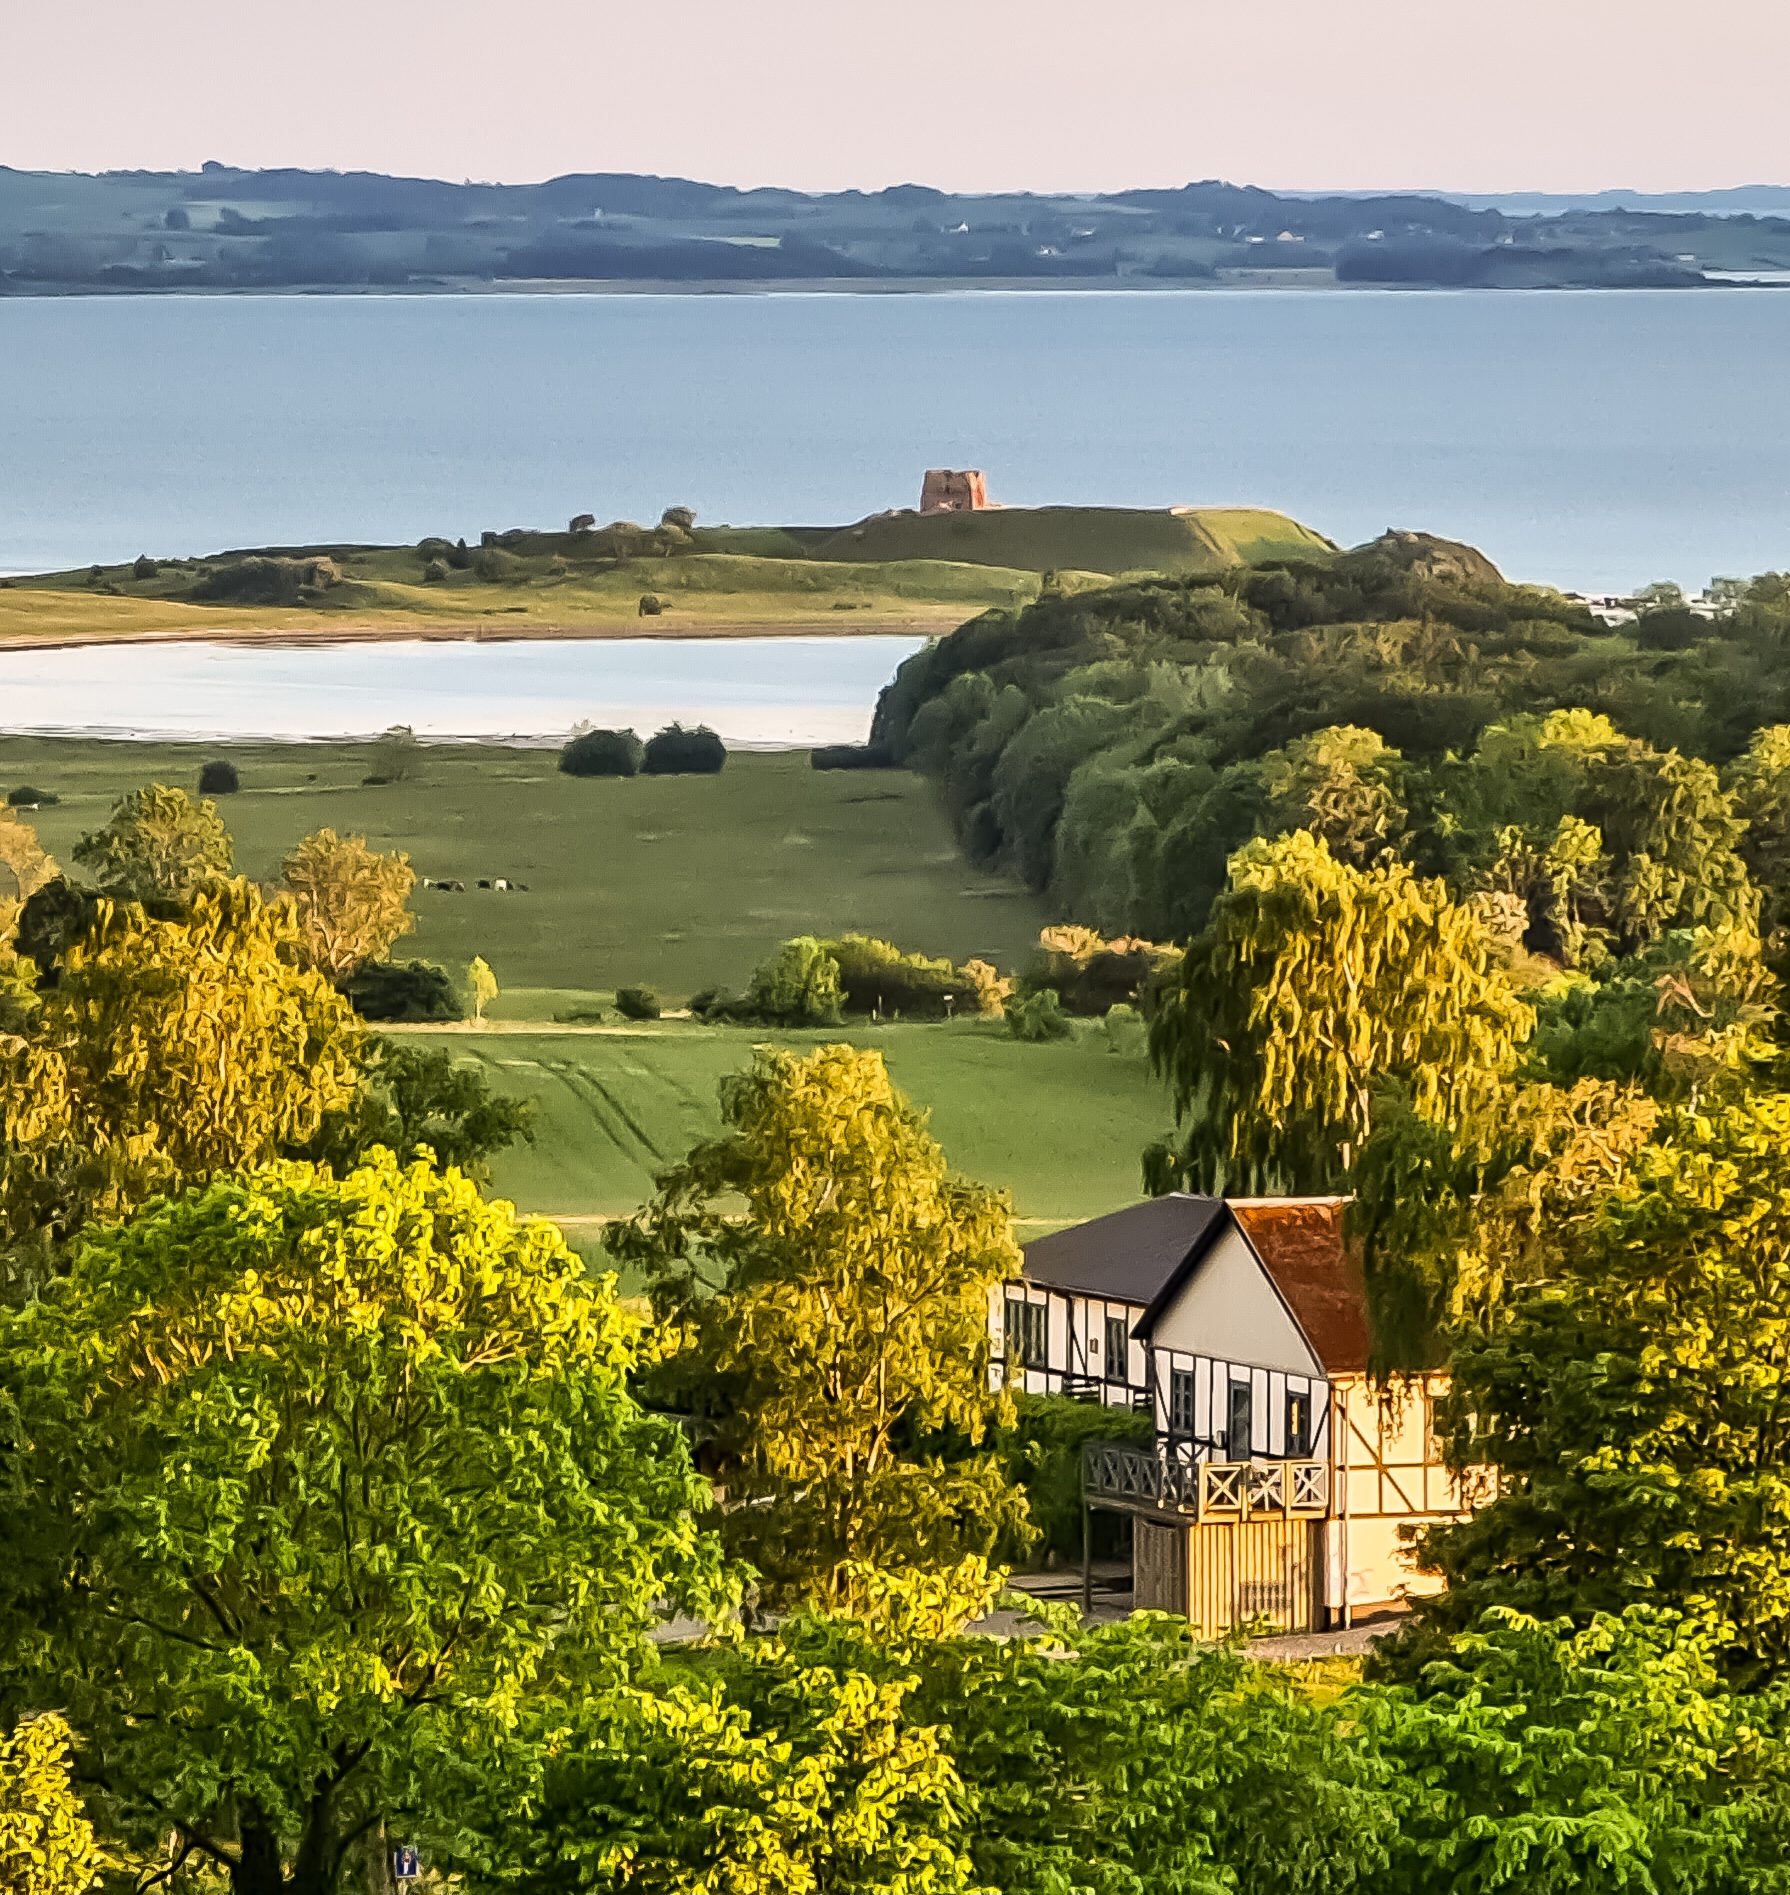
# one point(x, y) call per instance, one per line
point(1300, 1243)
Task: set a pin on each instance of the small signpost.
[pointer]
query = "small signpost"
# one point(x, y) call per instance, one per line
point(405, 1865)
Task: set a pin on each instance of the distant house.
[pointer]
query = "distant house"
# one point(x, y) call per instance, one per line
point(1279, 1477)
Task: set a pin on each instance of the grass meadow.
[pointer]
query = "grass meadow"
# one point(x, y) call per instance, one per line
point(678, 883)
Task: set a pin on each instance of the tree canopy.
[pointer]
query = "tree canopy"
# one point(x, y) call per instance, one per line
point(352, 902)
point(158, 845)
point(835, 1325)
point(1314, 986)
point(46, 1842)
point(313, 1486)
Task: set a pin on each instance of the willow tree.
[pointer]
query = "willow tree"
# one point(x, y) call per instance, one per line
point(318, 1491)
point(1314, 987)
point(825, 1280)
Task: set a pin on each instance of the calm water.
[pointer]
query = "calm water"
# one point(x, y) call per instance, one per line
point(1588, 439)
point(754, 691)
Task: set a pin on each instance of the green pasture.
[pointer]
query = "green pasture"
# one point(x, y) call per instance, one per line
point(678, 882)
point(1059, 1125)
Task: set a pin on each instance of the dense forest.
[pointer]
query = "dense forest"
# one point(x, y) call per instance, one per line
point(1116, 747)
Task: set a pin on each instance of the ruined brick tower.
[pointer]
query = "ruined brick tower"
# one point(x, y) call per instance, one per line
point(944, 490)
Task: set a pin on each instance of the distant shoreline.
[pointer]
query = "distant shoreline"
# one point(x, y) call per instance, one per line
point(1236, 282)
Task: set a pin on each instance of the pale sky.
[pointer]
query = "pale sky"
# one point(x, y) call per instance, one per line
point(1483, 95)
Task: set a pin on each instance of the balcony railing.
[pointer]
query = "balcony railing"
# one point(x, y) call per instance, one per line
point(1199, 1490)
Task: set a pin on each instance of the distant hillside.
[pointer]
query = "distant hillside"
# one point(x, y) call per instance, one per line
point(1175, 540)
point(221, 228)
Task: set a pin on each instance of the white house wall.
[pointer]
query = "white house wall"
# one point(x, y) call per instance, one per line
point(1229, 1309)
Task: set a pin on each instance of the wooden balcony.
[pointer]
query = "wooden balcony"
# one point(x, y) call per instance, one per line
point(1134, 1480)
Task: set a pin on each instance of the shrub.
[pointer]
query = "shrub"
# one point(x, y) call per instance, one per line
point(402, 990)
point(853, 757)
point(675, 751)
point(143, 567)
point(1038, 1017)
point(603, 753)
point(435, 572)
point(651, 605)
point(459, 556)
point(682, 517)
point(496, 567)
point(260, 580)
point(637, 1003)
point(1042, 1452)
point(219, 778)
point(876, 977)
point(25, 797)
point(711, 1003)
point(797, 986)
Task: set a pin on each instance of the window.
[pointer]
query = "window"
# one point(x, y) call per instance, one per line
point(1298, 1426)
point(1028, 1333)
point(1180, 1401)
point(1236, 1439)
point(1118, 1350)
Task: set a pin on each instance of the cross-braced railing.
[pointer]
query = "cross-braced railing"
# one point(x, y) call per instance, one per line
point(1137, 1479)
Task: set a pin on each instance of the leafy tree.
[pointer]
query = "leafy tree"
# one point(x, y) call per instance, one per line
point(168, 1053)
point(1632, 1401)
point(319, 1490)
point(24, 869)
point(1315, 986)
point(834, 1324)
point(1038, 1017)
point(797, 986)
point(1759, 784)
point(397, 756)
point(637, 1003)
point(352, 902)
point(219, 777)
point(1341, 784)
point(158, 845)
point(481, 983)
point(46, 1842)
point(410, 1096)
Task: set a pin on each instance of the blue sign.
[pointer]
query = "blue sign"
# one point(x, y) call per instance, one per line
point(405, 1865)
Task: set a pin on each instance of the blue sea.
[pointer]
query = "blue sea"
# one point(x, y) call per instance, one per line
point(1586, 439)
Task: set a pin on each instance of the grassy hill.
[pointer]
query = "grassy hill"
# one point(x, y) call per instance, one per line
point(915, 571)
point(1060, 1126)
point(1087, 539)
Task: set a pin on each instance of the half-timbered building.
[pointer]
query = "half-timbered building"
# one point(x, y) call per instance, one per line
point(1280, 1476)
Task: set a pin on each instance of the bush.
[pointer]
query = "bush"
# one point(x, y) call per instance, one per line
point(219, 778)
point(637, 1003)
point(1038, 1017)
point(797, 986)
point(876, 977)
point(675, 751)
point(603, 753)
point(143, 567)
point(25, 797)
point(1042, 1453)
point(402, 990)
point(853, 757)
point(496, 567)
point(651, 605)
point(435, 572)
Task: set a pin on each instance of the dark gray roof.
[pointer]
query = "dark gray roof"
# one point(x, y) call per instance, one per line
point(1130, 1256)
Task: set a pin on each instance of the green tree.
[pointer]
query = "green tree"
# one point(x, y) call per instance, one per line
point(481, 983)
point(1342, 785)
point(1314, 987)
point(1759, 784)
point(318, 1490)
point(168, 1052)
point(159, 845)
point(352, 902)
point(833, 1323)
point(46, 1842)
point(797, 986)
point(1633, 1402)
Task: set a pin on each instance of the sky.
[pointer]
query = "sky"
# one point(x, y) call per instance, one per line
point(1057, 95)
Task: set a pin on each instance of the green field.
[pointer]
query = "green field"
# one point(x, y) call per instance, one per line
point(680, 882)
point(1060, 1126)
